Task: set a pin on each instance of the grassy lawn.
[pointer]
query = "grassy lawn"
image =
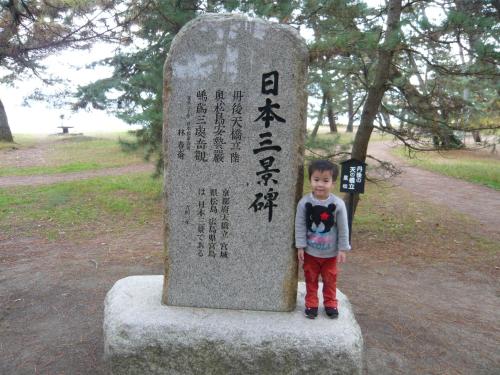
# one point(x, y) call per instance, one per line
point(21, 141)
point(481, 168)
point(70, 154)
point(78, 209)
point(390, 214)
point(329, 143)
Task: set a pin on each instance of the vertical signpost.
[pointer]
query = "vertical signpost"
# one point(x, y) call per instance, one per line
point(352, 181)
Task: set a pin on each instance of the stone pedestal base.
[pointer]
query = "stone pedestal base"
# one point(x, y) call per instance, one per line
point(141, 336)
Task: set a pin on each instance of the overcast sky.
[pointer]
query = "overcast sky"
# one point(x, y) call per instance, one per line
point(40, 117)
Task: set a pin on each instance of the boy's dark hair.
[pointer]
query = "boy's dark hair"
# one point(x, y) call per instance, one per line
point(323, 165)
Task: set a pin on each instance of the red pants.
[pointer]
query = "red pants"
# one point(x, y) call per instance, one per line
point(327, 267)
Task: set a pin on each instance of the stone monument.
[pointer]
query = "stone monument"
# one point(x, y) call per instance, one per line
point(235, 116)
point(234, 125)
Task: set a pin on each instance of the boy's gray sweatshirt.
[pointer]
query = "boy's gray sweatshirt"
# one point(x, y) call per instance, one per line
point(321, 227)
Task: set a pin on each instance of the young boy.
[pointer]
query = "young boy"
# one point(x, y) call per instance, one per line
point(321, 237)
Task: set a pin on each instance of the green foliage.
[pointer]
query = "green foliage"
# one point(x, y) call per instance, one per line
point(134, 91)
point(31, 30)
point(348, 38)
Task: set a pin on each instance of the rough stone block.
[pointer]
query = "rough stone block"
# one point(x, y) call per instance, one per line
point(234, 123)
point(142, 336)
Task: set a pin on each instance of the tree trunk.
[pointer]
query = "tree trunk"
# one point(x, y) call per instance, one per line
point(211, 4)
point(386, 117)
point(330, 113)
point(477, 136)
point(465, 7)
point(5, 134)
point(350, 107)
point(320, 118)
point(446, 136)
point(379, 86)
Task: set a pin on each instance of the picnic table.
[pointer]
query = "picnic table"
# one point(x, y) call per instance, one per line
point(65, 129)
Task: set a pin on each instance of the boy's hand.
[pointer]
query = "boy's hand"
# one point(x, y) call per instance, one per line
point(341, 257)
point(300, 255)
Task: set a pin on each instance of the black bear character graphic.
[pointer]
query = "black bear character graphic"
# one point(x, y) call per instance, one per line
point(317, 215)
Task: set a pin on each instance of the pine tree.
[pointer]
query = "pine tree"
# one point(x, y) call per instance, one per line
point(32, 30)
point(392, 63)
point(134, 91)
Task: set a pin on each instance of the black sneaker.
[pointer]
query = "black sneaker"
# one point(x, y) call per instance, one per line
point(311, 313)
point(332, 312)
